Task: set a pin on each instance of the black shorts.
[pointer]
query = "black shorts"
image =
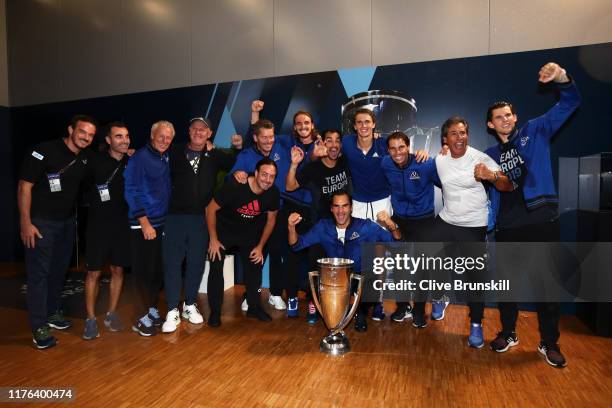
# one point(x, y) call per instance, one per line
point(108, 241)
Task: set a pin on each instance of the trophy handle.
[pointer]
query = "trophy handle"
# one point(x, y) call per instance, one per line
point(313, 289)
point(355, 305)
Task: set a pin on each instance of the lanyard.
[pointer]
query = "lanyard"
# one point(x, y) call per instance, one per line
point(108, 181)
point(66, 167)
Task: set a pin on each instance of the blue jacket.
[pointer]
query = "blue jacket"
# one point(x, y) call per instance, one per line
point(412, 187)
point(369, 182)
point(281, 154)
point(358, 232)
point(148, 186)
point(532, 141)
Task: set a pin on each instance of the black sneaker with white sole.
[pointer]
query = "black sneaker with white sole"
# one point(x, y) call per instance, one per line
point(144, 330)
point(403, 312)
point(503, 342)
point(58, 321)
point(553, 355)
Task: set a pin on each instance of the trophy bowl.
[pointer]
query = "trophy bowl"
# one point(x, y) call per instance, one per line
point(332, 297)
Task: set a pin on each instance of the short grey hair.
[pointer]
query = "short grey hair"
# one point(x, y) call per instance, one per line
point(160, 123)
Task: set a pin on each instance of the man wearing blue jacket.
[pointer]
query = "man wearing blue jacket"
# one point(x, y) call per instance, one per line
point(147, 192)
point(342, 236)
point(412, 199)
point(530, 212)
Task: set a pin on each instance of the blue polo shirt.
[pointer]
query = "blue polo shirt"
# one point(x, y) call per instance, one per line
point(369, 182)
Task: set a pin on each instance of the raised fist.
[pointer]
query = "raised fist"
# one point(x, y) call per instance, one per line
point(257, 105)
point(294, 219)
point(552, 72)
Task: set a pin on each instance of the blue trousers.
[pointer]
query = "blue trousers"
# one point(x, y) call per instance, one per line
point(185, 238)
point(46, 266)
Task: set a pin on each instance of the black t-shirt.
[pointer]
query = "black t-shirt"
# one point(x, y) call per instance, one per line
point(105, 172)
point(244, 212)
point(513, 212)
point(51, 165)
point(323, 181)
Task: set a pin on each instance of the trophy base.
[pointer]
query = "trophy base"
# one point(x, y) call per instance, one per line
point(335, 344)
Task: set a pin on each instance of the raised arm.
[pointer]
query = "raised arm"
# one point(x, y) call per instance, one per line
point(297, 155)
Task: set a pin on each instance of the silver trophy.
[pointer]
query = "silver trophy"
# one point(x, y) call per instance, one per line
point(333, 299)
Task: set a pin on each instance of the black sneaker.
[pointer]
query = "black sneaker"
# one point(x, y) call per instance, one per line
point(258, 313)
point(503, 342)
point(361, 323)
point(145, 330)
point(553, 355)
point(418, 321)
point(214, 320)
point(42, 338)
point(403, 311)
point(57, 321)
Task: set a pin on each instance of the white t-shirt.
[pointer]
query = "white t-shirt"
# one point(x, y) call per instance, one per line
point(341, 234)
point(465, 199)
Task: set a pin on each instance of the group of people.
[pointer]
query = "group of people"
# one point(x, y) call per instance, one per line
point(293, 198)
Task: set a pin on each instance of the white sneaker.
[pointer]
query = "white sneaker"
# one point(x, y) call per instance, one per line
point(191, 313)
point(277, 302)
point(244, 306)
point(172, 320)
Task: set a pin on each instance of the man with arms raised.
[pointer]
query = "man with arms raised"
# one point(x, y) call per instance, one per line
point(342, 235)
point(529, 213)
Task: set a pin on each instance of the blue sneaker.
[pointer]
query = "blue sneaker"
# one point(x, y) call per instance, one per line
point(42, 339)
point(91, 329)
point(155, 317)
point(476, 340)
point(438, 307)
point(292, 307)
point(378, 314)
point(311, 316)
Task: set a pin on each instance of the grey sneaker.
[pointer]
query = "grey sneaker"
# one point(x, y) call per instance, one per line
point(112, 322)
point(91, 329)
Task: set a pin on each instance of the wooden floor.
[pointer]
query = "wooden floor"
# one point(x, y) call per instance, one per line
point(249, 363)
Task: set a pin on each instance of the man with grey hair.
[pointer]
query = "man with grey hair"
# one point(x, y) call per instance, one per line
point(147, 192)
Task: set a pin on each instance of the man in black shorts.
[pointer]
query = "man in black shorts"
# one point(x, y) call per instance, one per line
point(108, 229)
point(48, 185)
point(242, 217)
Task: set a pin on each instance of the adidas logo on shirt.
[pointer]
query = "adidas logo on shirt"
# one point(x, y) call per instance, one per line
point(415, 175)
point(250, 210)
point(354, 235)
point(375, 155)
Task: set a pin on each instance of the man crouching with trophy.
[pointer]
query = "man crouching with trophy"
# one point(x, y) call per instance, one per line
point(341, 237)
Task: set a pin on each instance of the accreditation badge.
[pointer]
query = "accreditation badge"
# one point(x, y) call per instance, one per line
point(54, 182)
point(103, 191)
